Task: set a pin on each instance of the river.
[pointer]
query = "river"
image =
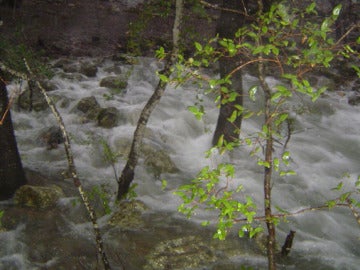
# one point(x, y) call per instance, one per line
point(324, 147)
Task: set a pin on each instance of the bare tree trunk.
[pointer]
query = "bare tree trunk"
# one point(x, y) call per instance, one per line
point(228, 23)
point(127, 175)
point(12, 175)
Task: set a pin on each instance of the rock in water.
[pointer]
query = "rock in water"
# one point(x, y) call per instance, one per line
point(181, 253)
point(38, 197)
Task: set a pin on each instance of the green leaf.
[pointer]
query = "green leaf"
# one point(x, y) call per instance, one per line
point(205, 223)
point(233, 117)
point(325, 26)
point(276, 163)
point(265, 129)
point(336, 10)
point(311, 8)
point(344, 196)
point(163, 184)
point(286, 157)
point(281, 119)
point(264, 163)
point(331, 204)
point(276, 95)
point(286, 173)
point(163, 78)
point(252, 92)
point(198, 46)
point(339, 186)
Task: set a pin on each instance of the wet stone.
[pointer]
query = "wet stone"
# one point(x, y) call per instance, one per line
point(38, 197)
point(181, 253)
point(108, 117)
point(129, 215)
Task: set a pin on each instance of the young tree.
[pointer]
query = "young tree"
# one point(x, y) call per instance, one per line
point(12, 175)
point(281, 42)
point(127, 175)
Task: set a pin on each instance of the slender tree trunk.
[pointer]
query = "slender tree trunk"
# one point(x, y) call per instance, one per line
point(12, 175)
point(271, 241)
point(127, 175)
point(228, 23)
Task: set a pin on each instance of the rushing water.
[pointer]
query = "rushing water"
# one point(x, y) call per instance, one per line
point(324, 146)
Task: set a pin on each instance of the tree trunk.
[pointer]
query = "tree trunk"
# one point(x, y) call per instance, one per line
point(12, 175)
point(268, 122)
point(128, 173)
point(228, 23)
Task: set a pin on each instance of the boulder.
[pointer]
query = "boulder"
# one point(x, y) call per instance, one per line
point(108, 117)
point(354, 100)
point(51, 137)
point(36, 102)
point(88, 69)
point(158, 161)
point(116, 83)
point(89, 106)
point(38, 197)
point(129, 215)
point(187, 252)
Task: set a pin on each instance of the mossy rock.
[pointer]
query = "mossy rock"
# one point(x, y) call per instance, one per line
point(108, 117)
point(158, 161)
point(116, 83)
point(181, 253)
point(129, 215)
point(38, 197)
point(88, 69)
point(90, 107)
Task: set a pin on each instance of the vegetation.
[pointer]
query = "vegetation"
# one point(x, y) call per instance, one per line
point(281, 42)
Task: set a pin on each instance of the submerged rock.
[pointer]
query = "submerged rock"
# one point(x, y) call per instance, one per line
point(39, 197)
point(158, 161)
point(52, 137)
point(108, 117)
point(181, 253)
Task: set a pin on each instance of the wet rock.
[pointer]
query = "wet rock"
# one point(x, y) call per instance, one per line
point(48, 85)
point(117, 83)
point(129, 215)
point(38, 197)
point(108, 117)
point(181, 253)
point(88, 69)
point(71, 67)
point(90, 107)
point(51, 137)
point(354, 99)
point(158, 162)
point(35, 102)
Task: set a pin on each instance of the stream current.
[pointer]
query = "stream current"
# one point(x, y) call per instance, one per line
point(324, 147)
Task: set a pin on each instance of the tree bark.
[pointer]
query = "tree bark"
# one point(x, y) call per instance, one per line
point(271, 244)
point(128, 173)
point(229, 22)
point(12, 175)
